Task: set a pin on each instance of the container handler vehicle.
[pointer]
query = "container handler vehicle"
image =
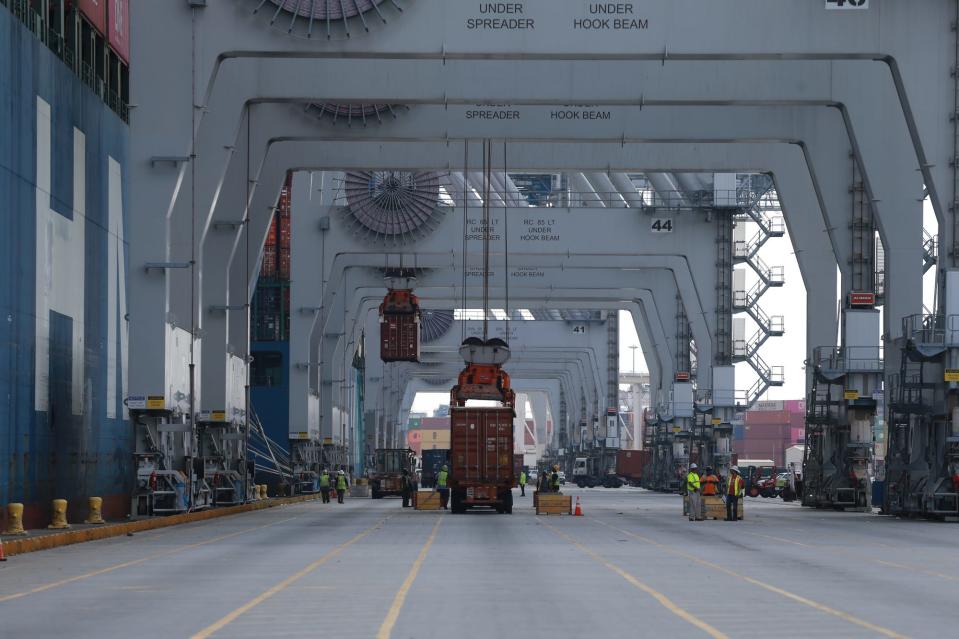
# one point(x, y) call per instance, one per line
point(481, 437)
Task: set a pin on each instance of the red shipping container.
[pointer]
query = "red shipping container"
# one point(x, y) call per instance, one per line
point(767, 417)
point(95, 11)
point(481, 457)
point(118, 28)
point(630, 465)
point(268, 266)
point(271, 234)
point(400, 338)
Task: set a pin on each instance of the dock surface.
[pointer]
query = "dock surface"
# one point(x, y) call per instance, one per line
point(632, 566)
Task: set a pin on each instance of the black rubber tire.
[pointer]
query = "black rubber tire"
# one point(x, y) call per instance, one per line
point(508, 503)
point(456, 503)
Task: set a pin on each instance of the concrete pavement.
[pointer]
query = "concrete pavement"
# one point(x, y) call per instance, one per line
point(632, 567)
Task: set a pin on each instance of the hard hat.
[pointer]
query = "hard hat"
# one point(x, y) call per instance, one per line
point(693, 467)
point(555, 466)
point(445, 467)
point(734, 469)
point(340, 472)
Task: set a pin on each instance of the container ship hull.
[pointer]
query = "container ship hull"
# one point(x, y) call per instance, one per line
point(63, 350)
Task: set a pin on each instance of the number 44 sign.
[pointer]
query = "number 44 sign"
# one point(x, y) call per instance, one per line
point(847, 4)
point(661, 225)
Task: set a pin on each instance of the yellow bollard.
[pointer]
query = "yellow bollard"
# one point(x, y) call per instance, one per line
point(96, 511)
point(256, 492)
point(15, 516)
point(263, 494)
point(59, 515)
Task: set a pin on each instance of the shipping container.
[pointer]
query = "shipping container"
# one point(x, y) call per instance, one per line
point(118, 28)
point(95, 11)
point(518, 466)
point(481, 458)
point(400, 338)
point(767, 417)
point(433, 460)
point(630, 465)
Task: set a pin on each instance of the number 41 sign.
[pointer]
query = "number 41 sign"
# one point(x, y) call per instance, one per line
point(847, 4)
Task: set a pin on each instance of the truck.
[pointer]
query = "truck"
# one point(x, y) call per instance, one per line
point(631, 466)
point(482, 472)
point(389, 464)
point(433, 461)
point(598, 468)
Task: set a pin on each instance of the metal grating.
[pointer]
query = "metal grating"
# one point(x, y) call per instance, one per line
point(333, 18)
point(393, 206)
point(354, 113)
point(434, 325)
point(328, 9)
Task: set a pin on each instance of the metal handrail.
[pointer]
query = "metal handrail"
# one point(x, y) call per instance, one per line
point(56, 42)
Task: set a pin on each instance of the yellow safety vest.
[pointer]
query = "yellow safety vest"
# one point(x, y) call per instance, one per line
point(441, 479)
point(692, 482)
point(735, 487)
point(324, 480)
point(341, 482)
point(522, 478)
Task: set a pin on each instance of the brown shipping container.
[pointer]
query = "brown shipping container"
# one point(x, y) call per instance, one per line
point(400, 338)
point(631, 463)
point(481, 447)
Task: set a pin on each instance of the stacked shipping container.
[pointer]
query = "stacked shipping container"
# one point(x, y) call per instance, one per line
point(769, 429)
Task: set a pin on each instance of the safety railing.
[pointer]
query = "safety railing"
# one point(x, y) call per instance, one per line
point(925, 329)
point(55, 41)
point(854, 359)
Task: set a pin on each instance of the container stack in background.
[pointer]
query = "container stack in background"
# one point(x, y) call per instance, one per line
point(770, 428)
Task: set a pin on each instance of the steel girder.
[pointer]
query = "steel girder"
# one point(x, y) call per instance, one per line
point(646, 324)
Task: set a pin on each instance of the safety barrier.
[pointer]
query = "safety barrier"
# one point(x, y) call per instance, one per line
point(15, 517)
point(56, 540)
point(96, 512)
point(58, 515)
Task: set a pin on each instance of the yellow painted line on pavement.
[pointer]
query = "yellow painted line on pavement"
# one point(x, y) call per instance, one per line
point(780, 539)
point(762, 584)
point(283, 585)
point(136, 562)
point(386, 630)
point(931, 573)
point(845, 552)
point(665, 601)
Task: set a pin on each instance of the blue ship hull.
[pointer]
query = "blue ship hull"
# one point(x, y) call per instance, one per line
point(63, 429)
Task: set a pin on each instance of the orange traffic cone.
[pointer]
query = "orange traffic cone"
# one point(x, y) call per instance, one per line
point(579, 511)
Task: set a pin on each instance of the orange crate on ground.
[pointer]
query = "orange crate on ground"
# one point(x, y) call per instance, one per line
point(426, 500)
point(553, 504)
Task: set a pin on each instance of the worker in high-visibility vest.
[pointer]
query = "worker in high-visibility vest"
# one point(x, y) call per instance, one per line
point(554, 479)
point(522, 483)
point(325, 485)
point(693, 494)
point(710, 483)
point(735, 488)
point(341, 484)
point(442, 478)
